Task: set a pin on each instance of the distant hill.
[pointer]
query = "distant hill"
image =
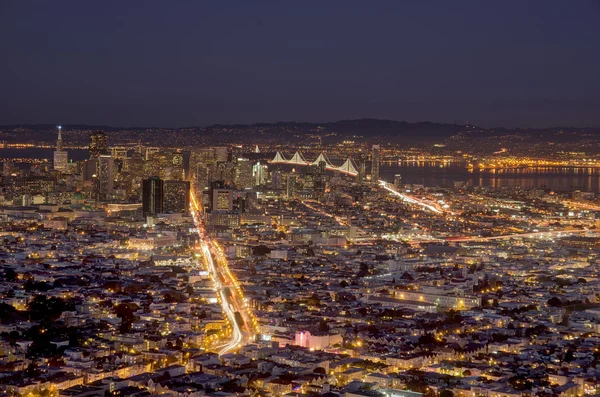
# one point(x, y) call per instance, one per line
point(359, 127)
point(360, 130)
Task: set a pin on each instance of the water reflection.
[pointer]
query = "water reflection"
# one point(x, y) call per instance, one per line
point(441, 173)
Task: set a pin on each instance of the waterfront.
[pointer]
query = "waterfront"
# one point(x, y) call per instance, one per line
point(431, 174)
point(445, 174)
point(41, 153)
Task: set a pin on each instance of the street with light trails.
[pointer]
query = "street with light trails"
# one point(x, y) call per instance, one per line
point(234, 306)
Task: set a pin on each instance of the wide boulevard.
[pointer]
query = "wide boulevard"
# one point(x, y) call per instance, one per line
point(235, 307)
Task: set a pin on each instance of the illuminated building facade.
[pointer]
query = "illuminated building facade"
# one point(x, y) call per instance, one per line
point(61, 157)
point(397, 181)
point(376, 160)
point(105, 175)
point(152, 196)
point(243, 174)
point(291, 186)
point(98, 144)
point(222, 200)
point(176, 196)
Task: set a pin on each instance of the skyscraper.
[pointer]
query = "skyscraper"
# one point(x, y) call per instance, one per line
point(89, 169)
point(59, 141)
point(61, 157)
point(243, 174)
point(397, 181)
point(200, 167)
point(98, 144)
point(320, 180)
point(105, 175)
point(166, 164)
point(135, 167)
point(321, 168)
point(376, 159)
point(291, 186)
point(152, 196)
point(200, 175)
point(259, 173)
point(276, 179)
point(176, 196)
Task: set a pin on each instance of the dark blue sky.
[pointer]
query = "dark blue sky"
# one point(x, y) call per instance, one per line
point(179, 63)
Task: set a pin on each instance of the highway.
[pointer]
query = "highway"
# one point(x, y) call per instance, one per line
point(552, 233)
point(239, 316)
point(409, 199)
point(579, 205)
point(466, 239)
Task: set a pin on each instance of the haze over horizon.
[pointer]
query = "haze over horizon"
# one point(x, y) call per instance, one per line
point(66, 126)
point(514, 64)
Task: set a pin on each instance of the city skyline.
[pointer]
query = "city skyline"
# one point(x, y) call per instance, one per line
point(162, 234)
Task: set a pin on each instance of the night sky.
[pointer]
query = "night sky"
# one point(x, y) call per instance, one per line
point(182, 63)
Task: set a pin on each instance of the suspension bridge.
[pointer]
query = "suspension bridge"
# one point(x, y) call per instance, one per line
point(349, 167)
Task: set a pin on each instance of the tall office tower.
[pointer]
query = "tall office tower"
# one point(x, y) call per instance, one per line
point(61, 158)
point(176, 159)
point(166, 164)
point(240, 203)
point(98, 144)
point(59, 140)
point(259, 173)
point(362, 172)
point(320, 180)
point(153, 165)
point(362, 168)
point(221, 154)
point(118, 152)
point(222, 200)
point(229, 173)
point(276, 180)
point(243, 174)
point(134, 165)
point(200, 175)
point(208, 194)
point(89, 169)
point(376, 159)
point(397, 181)
point(152, 196)
point(309, 177)
point(219, 172)
point(291, 186)
point(105, 175)
point(123, 179)
point(199, 166)
point(321, 168)
point(214, 172)
point(176, 197)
